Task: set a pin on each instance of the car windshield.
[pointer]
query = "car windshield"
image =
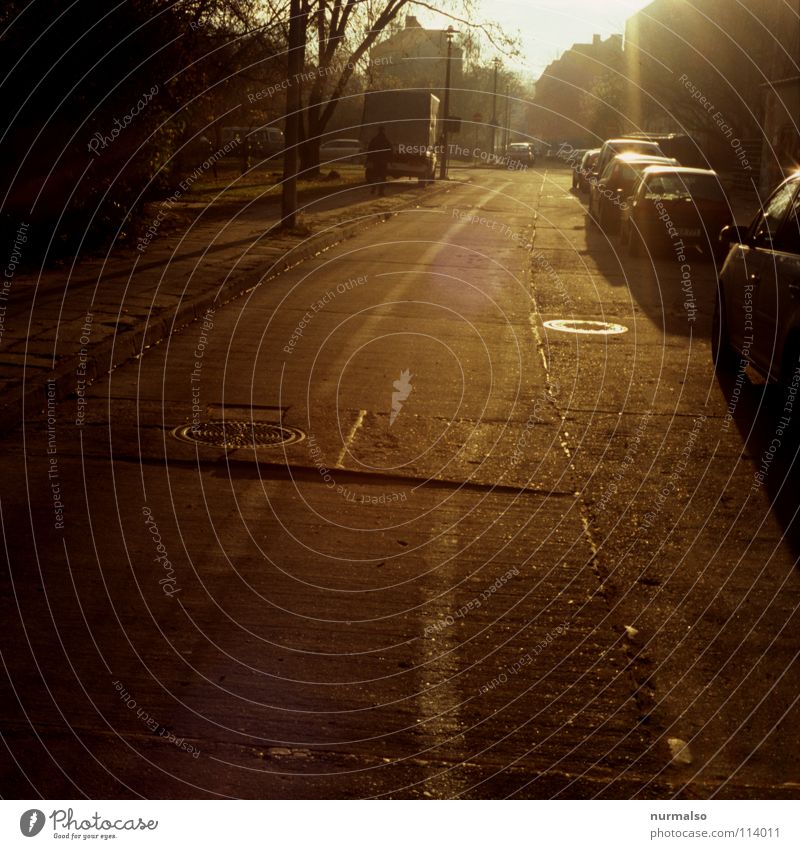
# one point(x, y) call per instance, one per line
point(638, 147)
point(630, 173)
point(679, 186)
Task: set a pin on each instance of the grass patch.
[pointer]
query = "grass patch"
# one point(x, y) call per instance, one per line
point(230, 188)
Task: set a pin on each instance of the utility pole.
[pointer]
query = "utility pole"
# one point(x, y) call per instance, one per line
point(446, 122)
point(294, 70)
point(506, 122)
point(494, 105)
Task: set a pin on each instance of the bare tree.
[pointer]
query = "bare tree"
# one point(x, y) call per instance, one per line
point(341, 34)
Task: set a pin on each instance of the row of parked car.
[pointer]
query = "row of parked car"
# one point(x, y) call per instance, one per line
point(648, 199)
point(651, 201)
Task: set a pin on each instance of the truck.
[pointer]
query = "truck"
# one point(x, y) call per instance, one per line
point(410, 118)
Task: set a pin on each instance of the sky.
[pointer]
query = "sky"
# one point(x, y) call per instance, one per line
point(549, 27)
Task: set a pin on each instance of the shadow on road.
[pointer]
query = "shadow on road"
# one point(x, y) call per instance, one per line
point(267, 213)
point(676, 292)
point(757, 410)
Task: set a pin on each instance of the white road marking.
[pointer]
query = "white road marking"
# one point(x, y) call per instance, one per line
point(350, 437)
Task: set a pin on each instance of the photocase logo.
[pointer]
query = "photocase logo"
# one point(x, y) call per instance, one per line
point(31, 822)
point(402, 391)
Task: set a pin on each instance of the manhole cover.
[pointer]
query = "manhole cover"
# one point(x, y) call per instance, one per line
point(570, 325)
point(239, 434)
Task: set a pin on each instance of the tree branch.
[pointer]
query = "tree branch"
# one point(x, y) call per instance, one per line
point(486, 28)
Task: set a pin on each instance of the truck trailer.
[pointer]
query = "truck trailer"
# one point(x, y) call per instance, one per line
point(410, 119)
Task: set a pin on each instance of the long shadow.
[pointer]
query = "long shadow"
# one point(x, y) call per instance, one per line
point(272, 225)
point(349, 197)
point(674, 288)
point(656, 283)
point(757, 415)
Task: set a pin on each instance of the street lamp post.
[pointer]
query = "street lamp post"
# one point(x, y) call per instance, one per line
point(445, 142)
point(507, 122)
point(296, 56)
point(494, 104)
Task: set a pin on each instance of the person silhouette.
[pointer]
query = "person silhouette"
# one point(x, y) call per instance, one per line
point(379, 155)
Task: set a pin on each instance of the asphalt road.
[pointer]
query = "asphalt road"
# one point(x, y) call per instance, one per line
point(541, 568)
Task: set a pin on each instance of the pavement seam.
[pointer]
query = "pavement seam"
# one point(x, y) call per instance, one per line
point(638, 668)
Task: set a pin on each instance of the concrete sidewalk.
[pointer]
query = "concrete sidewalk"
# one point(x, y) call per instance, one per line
point(66, 325)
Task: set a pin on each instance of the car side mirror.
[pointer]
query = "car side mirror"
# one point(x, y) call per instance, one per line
point(732, 234)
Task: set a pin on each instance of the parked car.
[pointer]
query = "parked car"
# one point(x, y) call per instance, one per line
point(582, 174)
point(344, 151)
point(261, 141)
point(521, 153)
point(574, 157)
point(612, 147)
point(757, 310)
point(611, 192)
point(678, 145)
point(672, 205)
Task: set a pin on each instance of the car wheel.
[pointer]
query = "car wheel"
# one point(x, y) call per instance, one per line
point(634, 241)
point(607, 222)
point(722, 352)
point(791, 365)
point(602, 217)
point(790, 381)
point(790, 386)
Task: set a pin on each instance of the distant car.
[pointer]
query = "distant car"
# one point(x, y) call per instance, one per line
point(610, 193)
point(582, 174)
point(757, 311)
point(522, 153)
point(675, 205)
point(261, 141)
point(612, 147)
point(344, 151)
point(574, 159)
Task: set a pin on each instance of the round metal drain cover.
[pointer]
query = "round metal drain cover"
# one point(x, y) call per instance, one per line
point(571, 325)
point(239, 434)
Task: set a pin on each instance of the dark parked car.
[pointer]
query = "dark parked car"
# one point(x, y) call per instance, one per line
point(757, 312)
point(581, 174)
point(675, 205)
point(521, 153)
point(610, 193)
point(574, 159)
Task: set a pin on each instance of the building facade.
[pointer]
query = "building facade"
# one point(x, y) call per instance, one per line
point(707, 68)
point(577, 96)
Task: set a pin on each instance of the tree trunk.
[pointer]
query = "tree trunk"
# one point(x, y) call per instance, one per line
point(309, 149)
point(309, 158)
